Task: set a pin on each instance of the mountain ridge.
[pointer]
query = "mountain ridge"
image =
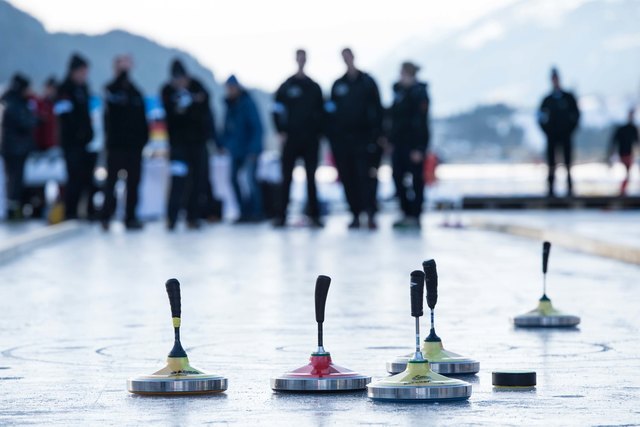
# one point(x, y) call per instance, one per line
point(26, 46)
point(512, 64)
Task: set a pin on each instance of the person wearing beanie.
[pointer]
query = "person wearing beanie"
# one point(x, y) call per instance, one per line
point(188, 118)
point(18, 122)
point(297, 113)
point(558, 116)
point(77, 62)
point(76, 132)
point(126, 134)
point(177, 69)
point(242, 139)
point(19, 84)
point(409, 138)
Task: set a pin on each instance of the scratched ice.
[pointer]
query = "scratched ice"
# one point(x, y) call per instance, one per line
point(82, 315)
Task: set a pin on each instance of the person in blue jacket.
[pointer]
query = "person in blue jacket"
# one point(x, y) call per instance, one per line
point(242, 139)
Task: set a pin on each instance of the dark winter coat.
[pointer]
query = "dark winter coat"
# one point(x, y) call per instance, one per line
point(559, 115)
point(624, 138)
point(243, 131)
point(74, 119)
point(299, 108)
point(408, 116)
point(354, 108)
point(18, 123)
point(188, 114)
point(125, 120)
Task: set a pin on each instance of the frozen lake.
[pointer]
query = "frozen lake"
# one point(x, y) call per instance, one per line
point(83, 315)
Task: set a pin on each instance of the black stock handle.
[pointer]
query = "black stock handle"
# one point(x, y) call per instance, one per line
point(546, 248)
point(431, 279)
point(417, 293)
point(173, 290)
point(322, 290)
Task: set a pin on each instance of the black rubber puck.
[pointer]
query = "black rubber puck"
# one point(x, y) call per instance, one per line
point(513, 378)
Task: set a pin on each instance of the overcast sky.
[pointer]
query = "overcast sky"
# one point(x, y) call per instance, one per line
point(256, 39)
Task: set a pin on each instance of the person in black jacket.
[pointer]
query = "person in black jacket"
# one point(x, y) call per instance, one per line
point(126, 133)
point(188, 118)
point(624, 138)
point(19, 120)
point(354, 129)
point(558, 117)
point(409, 137)
point(76, 132)
point(297, 113)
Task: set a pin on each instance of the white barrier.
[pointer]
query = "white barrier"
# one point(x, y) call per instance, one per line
point(220, 176)
point(155, 181)
point(154, 184)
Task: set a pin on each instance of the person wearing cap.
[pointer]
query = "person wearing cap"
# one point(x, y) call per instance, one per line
point(76, 132)
point(558, 117)
point(18, 123)
point(242, 139)
point(126, 134)
point(354, 119)
point(188, 117)
point(297, 114)
point(625, 138)
point(409, 139)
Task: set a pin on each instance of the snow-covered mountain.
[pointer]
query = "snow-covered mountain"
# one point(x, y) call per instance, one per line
point(26, 46)
point(503, 58)
point(506, 56)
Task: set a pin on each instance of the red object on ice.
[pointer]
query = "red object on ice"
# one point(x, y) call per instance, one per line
point(321, 367)
point(430, 166)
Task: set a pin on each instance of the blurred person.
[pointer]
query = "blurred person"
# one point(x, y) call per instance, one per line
point(76, 132)
point(46, 140)
point(188, 117)
point(298, 113)
point(355, 127)
point(126, 134)
point(558, 117)
point(46, 135)
point(242, 139)
point(624, 139)
point(409, 138)
point(19, 120)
